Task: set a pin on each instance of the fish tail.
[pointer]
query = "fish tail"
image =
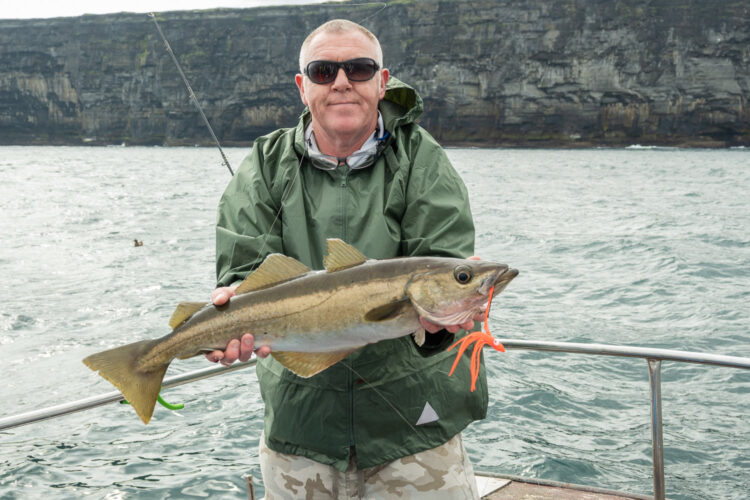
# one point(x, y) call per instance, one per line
point(120, 367)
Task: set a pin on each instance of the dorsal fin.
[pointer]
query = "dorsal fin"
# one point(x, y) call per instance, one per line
point(183, 312)
point(341, 255)
point(277, 268)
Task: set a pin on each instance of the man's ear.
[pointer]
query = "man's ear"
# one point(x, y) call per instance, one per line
point(384, 75)
point(299, 79)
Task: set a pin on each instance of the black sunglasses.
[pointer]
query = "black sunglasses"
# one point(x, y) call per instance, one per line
point(356, 70)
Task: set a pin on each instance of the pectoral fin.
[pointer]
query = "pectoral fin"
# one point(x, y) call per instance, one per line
point(307, 364)
point(419, 337)
point(388, 311)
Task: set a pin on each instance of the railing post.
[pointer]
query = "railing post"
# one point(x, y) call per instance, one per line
point(657, 444)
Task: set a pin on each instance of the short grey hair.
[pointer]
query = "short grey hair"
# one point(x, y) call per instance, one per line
point(338, 26)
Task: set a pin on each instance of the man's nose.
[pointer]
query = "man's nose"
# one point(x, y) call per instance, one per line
point(342, 81)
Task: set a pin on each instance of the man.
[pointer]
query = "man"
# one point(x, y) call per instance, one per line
point(387, 420)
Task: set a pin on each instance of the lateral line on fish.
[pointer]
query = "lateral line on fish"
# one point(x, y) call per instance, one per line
point(372, 310)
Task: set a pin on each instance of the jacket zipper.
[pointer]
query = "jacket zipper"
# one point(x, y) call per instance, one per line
point(350, 375)
point(343, 211)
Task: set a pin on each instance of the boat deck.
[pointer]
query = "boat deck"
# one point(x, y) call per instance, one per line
point(502, 487)
point(505, 487)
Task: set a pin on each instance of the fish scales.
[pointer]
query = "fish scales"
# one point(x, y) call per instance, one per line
point(309, 319)
point(291, 311)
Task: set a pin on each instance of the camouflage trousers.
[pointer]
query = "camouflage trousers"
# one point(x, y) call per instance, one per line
point(444, 472)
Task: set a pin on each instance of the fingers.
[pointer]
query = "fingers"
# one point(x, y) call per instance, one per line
point(246, 344)
point(238, 349)
point(215, 356)
point(231, 353)
point(221, 295)
point(247, 347)
point(468, 325)
point(431, 327)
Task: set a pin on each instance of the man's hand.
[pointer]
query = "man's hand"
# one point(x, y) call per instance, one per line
point(235, 349)
point(431, 327)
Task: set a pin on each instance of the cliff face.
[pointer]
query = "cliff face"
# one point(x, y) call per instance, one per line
point(507, 72)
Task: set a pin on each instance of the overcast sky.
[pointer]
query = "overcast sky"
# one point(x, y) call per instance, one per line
point(27, 9)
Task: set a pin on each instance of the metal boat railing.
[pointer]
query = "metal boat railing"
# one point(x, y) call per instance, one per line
point(112, 397)
point(654, 357)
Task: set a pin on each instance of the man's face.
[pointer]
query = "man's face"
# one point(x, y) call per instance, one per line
point(342, 111)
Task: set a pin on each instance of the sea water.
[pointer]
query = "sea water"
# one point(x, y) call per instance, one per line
point(636, 246)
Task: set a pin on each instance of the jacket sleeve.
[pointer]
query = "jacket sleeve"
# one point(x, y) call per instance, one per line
point(246, 225)
point(437, 220)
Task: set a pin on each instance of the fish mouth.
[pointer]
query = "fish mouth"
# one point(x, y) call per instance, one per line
point(499, 280)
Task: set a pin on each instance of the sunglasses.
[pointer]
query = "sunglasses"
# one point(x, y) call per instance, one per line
point(356, 161)
point(356, 70)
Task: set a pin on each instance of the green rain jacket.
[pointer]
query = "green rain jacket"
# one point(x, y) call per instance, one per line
point(411, 202)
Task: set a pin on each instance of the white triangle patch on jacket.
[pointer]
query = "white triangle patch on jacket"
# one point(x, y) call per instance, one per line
point(428, 415)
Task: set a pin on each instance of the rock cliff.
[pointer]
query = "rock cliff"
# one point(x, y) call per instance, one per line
point(491, 72)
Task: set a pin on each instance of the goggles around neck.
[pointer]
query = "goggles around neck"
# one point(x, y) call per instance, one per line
point(356, 70)
point(366, 156)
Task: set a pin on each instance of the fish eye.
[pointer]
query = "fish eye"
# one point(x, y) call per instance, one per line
point(463, 274)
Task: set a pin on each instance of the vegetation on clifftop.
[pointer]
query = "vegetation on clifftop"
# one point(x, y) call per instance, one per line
point(580, 72)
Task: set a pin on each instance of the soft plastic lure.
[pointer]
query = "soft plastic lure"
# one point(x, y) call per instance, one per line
point(168, 406)
point(479, 339)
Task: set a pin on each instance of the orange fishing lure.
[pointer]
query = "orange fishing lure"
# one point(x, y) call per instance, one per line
point(479, 339)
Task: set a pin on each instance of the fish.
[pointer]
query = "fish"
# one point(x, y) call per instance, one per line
point(311, 320)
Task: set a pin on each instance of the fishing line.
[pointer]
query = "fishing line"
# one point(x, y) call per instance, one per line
point(285, 195)
point(384, 6)
point(194, 99)
point(478, 338)
point(191, 94)
point(414, 429)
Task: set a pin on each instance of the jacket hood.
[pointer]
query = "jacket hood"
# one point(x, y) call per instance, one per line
point(401, 104)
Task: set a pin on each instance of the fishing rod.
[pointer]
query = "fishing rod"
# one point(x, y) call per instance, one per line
point(114, 396)
point(191, 94)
